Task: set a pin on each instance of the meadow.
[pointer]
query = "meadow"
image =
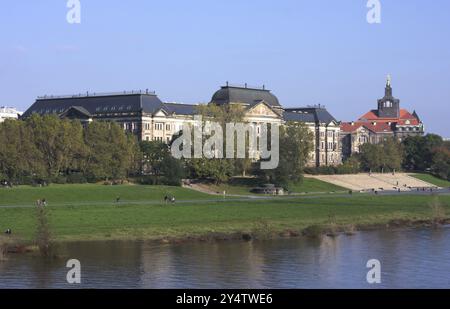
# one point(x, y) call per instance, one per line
point(90, 212)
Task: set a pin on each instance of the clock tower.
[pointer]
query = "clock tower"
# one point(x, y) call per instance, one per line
point(388, 106)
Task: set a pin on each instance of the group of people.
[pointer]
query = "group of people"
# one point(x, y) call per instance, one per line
point(41, 203)
point(170, 199)
point(6, 184)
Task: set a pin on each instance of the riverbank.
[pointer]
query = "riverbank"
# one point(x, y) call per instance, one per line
point(215, 219)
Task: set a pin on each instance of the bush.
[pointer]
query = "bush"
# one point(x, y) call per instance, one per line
point(60, 180)
point(76, 178)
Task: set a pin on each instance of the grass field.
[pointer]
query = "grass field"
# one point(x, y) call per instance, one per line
point(96, 217)
point(94, 194)
point(433, 180)
point(309, 185)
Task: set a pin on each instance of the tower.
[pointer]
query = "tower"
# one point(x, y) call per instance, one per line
point(388, 106)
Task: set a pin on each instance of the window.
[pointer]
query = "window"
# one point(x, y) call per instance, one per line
point(159, 126)
point(168, 127)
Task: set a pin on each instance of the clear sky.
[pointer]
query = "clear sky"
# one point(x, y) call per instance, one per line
point(306, 52)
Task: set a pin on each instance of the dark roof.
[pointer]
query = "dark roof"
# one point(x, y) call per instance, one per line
point(299, 117)
point(80, 110)
point(180, 109)
point(231, 94)
point(97, 105)
point(310, 114)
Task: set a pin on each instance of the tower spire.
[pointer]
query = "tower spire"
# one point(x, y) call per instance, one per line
point(388, 90)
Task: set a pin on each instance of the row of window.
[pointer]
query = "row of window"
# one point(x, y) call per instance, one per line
point(158, 138)
point(330, 145)
point(330, 134)
point(112, 108)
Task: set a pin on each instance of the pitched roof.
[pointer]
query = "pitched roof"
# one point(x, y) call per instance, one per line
point(97, 105)
point(180, 109)
point(299, 117)
point(373, 115)
point(231, 94)
point(378, 127)
point(313, 114)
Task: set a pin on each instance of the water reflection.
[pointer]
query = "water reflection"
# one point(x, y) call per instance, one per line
point(409, 258)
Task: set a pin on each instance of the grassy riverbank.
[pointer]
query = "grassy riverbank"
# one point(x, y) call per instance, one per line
point(433, 180)
point(77, 215)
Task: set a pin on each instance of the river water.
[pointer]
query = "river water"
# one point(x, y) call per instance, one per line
point(416, 258)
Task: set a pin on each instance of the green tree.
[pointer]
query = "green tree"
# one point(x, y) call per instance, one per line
point(219, 170)
point(385, 156)
point(419, 151)
point(110, 151)
point(441, 163)
point(172, 170)
point(295, 147)
point(59, 143)
point(18, 155)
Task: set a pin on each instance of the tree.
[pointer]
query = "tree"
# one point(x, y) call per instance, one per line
point(59, 142)
point(295, 147)
point(419, 151)
point(172, 170)
point(385, 156)
point(110, 151)
point(351, 166)
point(441, 163)
point(392, 154)
point(218, 169)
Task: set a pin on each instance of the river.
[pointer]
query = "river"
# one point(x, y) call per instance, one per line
point(411, 258)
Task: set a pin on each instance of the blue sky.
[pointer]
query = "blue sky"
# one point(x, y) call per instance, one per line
point(306, 52)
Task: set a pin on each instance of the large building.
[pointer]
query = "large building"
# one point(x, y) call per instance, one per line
point(146, 116)
point(388, 120)
point(9, 113)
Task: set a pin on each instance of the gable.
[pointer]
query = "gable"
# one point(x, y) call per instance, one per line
point(161, 113)
point(261, 109)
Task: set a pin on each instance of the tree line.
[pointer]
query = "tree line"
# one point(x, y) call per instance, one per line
point(47, 149)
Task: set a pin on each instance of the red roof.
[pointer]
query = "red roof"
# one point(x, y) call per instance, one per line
point(350, 126)
point(405, 116)
point(377, 127)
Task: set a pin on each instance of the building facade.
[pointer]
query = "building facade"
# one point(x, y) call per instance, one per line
point(146, 116)
point(9, 113)
point(388, 120)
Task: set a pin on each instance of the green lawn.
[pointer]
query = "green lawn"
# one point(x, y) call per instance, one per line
point(433, 180)
point(101, 219)
point(309, 185)
point(94, 194)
